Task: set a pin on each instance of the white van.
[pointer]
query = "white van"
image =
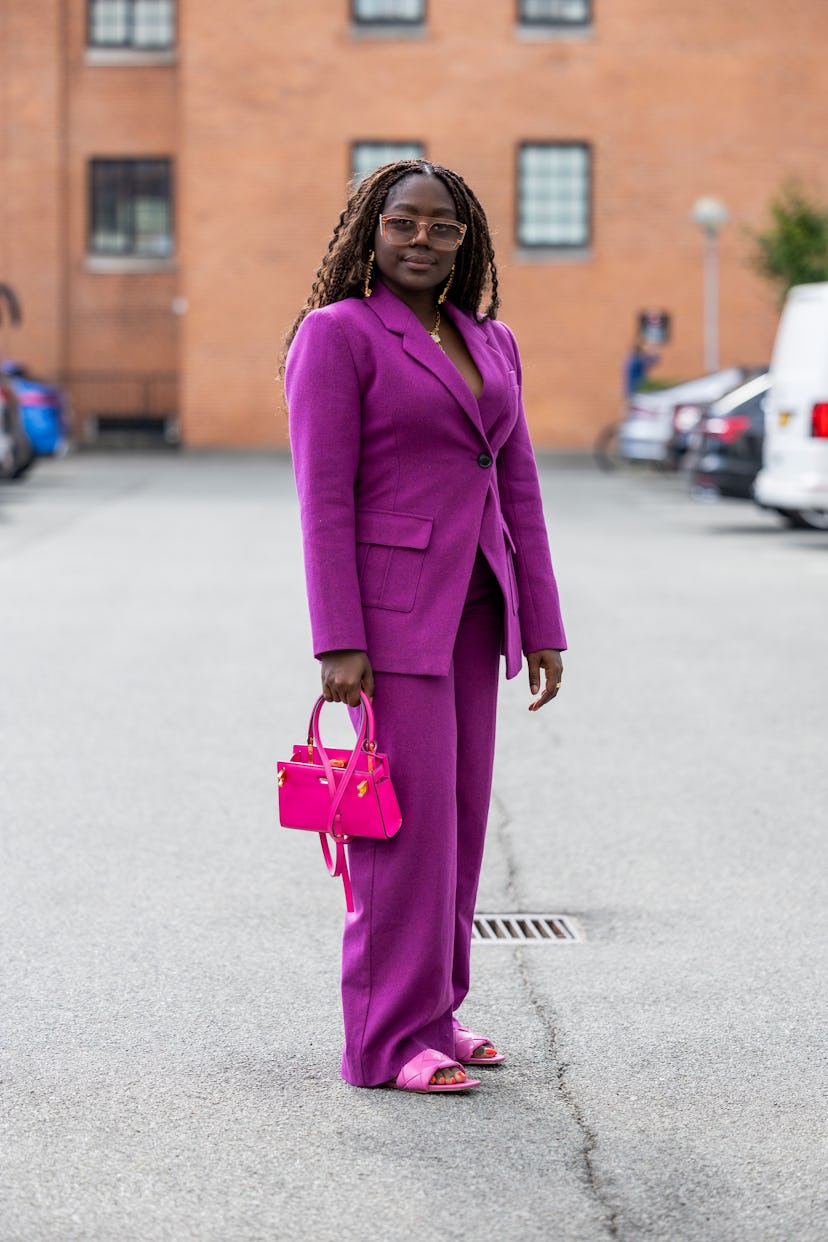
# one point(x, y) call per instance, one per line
point(794, 474)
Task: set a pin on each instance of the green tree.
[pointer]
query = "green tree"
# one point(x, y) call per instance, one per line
point(794, 249)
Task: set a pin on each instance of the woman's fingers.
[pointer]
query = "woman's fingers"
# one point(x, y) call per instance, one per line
point(344, 675)
point(550, 662)
point(534, 661)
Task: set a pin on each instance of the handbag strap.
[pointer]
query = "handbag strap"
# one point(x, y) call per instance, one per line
point(338, 865)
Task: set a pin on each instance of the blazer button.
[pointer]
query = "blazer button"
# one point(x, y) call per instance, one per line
point(484, 460)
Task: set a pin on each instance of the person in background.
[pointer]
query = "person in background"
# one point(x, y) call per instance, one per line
point(637, 367)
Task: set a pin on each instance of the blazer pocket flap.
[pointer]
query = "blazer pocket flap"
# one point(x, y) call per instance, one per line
point(395, 530)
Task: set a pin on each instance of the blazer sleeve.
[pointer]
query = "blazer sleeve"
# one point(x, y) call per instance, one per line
point(541, 625)
point(324, 418)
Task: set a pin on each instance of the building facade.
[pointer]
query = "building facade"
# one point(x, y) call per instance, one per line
point(171, 172)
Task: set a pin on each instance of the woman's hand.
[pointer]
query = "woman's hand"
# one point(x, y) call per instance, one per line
point(552, 664)
point(344, 675)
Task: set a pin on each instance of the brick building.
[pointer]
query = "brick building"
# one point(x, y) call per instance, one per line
point(170, 174)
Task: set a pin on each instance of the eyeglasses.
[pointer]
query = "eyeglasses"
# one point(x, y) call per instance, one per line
point(441, 234)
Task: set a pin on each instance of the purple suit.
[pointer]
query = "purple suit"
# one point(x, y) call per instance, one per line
point(425, 545)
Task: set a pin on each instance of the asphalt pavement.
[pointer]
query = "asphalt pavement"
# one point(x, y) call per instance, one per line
point(169, 1025)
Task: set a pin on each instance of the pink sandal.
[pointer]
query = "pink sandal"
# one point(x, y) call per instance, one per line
point(417, 1073)
point(465, 1044)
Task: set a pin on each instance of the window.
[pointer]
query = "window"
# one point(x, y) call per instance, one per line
point(368, 156)
point(554, 194)
point(555, 12)
point(131, 208)
point(388, 12)
point(138, 25)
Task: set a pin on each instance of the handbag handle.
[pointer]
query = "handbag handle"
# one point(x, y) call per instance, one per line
point(338, 865)
point(366, 724)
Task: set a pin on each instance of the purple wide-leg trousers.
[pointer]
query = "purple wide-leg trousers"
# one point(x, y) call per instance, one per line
point(406, 947)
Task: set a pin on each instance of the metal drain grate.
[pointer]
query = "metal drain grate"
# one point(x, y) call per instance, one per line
point(523, 929)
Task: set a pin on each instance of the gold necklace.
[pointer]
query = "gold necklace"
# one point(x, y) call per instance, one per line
point(435, 331)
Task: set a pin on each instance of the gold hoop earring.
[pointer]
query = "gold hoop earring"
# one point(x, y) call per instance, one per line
point(446, 287)
point(369, 271)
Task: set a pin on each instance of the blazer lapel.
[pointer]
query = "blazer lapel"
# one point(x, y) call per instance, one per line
point(480, 341)
point(418, 345)
point(487, 354)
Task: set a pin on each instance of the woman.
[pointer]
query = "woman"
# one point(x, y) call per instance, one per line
point(426, 557)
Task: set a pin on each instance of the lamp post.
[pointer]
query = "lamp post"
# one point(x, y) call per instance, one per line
point(710, 215)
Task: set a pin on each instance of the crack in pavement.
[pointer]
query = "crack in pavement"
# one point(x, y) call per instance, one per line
point(589, 1138)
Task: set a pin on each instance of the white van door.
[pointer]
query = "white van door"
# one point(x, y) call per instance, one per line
point(794, 474)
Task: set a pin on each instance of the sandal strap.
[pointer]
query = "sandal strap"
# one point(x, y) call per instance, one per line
point(418, 1072)
point(466, 1041)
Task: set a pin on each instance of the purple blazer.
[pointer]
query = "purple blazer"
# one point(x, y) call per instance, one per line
point(402, 474)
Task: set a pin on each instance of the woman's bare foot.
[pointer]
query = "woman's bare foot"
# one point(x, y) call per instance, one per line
point(471, 1048)
point(485, 1050)
point(449, 1075)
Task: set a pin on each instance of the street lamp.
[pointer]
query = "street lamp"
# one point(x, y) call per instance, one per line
point(710, 215)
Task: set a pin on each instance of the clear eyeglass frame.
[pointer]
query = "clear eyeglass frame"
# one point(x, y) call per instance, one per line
point(430, 224)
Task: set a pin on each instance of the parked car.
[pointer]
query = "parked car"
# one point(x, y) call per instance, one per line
point(16, 452)
point(794, 475)
point(6, 439)
point(724, 451)
point(43, 410)
point(647, 431)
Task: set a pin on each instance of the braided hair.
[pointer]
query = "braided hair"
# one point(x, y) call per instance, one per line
point(342, 271)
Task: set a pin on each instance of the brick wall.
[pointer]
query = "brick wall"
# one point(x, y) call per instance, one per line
point(64, 112)
point(32, 169)
point(677, 100)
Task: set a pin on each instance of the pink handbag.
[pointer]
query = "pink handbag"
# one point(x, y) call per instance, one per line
point(340, 794)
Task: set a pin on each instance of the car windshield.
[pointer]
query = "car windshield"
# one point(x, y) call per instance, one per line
point(742, 394)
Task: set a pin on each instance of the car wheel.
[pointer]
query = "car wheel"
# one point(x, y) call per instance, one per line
point(23, 464)
point(805, 519)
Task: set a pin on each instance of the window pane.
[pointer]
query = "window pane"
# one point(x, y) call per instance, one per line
point(153, 22)
point(131, 208)
point(554, 195)
point(555, 12)
point(389, 10)
point(368, 156)
point(140, 24)
point(111, 227)
point(152, 209)
point(109, 23)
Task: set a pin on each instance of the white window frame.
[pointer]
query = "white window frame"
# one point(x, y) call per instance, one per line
point(128, 44)
point(162, 254)
point(531, 14)
point(405, 14)
point(383, 153)
point(568, 230)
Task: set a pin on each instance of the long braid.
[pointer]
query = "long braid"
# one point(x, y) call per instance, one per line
point(341, 273)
